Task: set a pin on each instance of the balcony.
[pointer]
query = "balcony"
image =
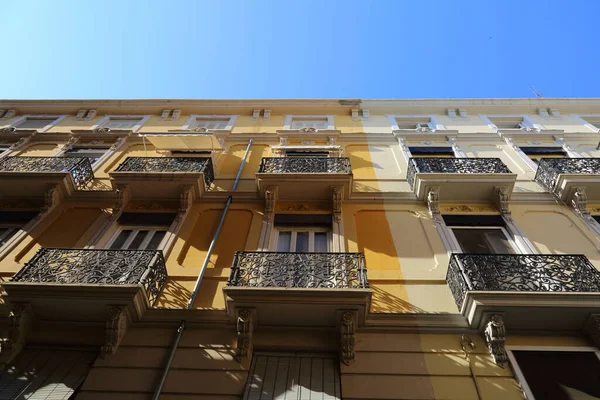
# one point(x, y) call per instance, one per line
point(533, 292)
point(460, 179)
point(79, 284)
point(562, 176)
point(304, 178)
point(164, 177)
point(305, 288)
point(30, 177)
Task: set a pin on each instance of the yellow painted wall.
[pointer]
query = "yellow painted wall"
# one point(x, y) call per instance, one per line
point(39, 150)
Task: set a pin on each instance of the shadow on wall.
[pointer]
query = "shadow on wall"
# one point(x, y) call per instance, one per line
point(174, 295)
point(383, 301)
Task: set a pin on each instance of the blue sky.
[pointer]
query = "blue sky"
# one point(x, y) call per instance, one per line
point(299, 49)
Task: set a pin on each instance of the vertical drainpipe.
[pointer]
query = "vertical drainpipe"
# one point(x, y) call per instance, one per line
point(211, 248)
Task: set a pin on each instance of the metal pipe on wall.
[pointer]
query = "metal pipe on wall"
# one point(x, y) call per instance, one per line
point(211, 248)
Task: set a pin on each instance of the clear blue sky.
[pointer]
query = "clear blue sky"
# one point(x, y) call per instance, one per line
point(298, 49)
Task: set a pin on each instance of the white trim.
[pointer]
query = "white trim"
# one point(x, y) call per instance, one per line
point(581, 118)
point(289, 118)
point(523, 243)
point(193, 118)
point(23, 118)
point(517, 369)
point(136, 128)
point(527, 121)
point(434, 122)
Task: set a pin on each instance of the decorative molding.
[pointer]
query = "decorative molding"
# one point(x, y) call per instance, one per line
point(591, 328)
point(186, 197)
point(8, 129)
point(69, 145)
point(554, 112)
point(462, 208)
point(495, 336)
point(451, 113)
point(433, 203)
point(115, 329)
point(165, 114)
point(567, 148)
point(300, 207)
point(463, 113)
point(503, 202)
point(338, 195)
point(266, 114)
point(271, 195)
point(365, 114)
point(118, 142)
point(458, 153)
point(121, 198)
point(348, 330)
point(255, 114)
point(19, 320)
point(355, 114)
point(7, 114)
point(543, 112)
point(245, 327)
point(51, 200)
point(101, 130)
point(579, 203)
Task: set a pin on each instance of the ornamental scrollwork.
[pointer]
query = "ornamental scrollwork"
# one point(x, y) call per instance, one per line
point(97, 266)
point(245, 328)
point(298, 270)
point(169, 164)
point(305, 165)
point(115, 328)
point(520, 273)
point(550, 168)
point(347, 341)
point(19, 320)
point(454, 166)
point(79, 168)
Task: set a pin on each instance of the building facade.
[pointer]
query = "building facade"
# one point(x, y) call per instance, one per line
point(276, 249)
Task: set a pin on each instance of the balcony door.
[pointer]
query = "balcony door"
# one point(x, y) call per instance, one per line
point(140, 231)
point(481, 234)
point(303, 239)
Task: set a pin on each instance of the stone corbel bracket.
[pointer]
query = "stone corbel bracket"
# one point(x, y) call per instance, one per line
point(121, 198)
point(245, 328)
point(338, 195)
point(495, 337)
point(433, 203)
point(19, 322)
point(503, 201)
point(271, 197)
point(349, 322)
point(115, 328)
point(185, 202)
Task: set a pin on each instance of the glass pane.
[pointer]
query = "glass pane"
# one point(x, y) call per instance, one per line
point(483, 241)
point(284, 240)
point(156, 239)
point(121, 239)
point(137, 241)
point(302, 242)
point(320, 242)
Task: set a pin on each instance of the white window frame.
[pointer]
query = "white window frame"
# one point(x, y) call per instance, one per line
point(143, 119)
point(137, 229)
point(582, 118)
point(10, 228)
point(434, 122)
point(295, 229)
point(287, 125)
point(189, 124)
point(511, 241)
point(519, 374)
point(527, 122)
point(57, 118)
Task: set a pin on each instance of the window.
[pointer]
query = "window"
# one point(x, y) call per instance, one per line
point(480, 234)
point(12, 222)
point(558, 375)
point(302, 233)
point(431, 152)
point(141, 231)
point(535, 153)
point(293, 376)
point(122, 123)
point(93, 154)
point(309, 122)
point(414, 123)
point(35, 123)
point(509, 122)
point(213, 123)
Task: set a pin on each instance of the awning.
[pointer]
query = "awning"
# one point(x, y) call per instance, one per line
point(184, 141)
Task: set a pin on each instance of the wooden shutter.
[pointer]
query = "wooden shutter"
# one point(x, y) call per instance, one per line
point(293, 376)
point(43, 374)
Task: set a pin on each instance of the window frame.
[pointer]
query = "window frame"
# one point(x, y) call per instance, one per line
point(23, 118)
point(527, 121)
point(104, 120)
point(503, 229)
point(590, 125)
point(6, 236)
point(105, 149)
point(519, 373)
point(434, 123)
point(137, 229)
point(289, 119)
point(189, 124)
point(295, 229)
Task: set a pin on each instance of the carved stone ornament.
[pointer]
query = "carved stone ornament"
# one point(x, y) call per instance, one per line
point(51, 199)
point(403, 145)
point(115, 329)
point(185, 202)
point(348, 331)
point(20, 143)
point(433, 203)
point(19, 320)
point(120, 200)
point(462, 208)
point(270, 202)
point(283, 141)
point(495, 336)
point(117, 144)
point(309, 130)
point(300, 207)
point(331, 140)
point(102, 130)
point(244, 333)
point(200, 130)
point(69, 145)
point(504, 201)
point(8, 129)
point(579, 203)
point(338, 195)
point(591, 328)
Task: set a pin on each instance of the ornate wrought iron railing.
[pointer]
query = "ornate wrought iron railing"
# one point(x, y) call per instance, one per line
point(299, 270)
point(455, 166)
point(169, 164)
point(549, 169)
point(79, 167)
point(520, 273)
point(97, 266)
point(305, 165)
